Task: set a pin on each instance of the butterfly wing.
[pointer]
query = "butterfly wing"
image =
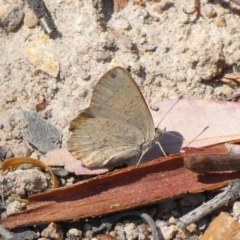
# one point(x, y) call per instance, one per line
point(99, 141)
point(118, 97)
point(116, 123)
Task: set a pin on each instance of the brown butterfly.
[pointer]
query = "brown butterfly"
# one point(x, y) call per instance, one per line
point(116, 126)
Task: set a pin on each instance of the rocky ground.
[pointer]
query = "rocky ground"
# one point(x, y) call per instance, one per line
point(168, 52)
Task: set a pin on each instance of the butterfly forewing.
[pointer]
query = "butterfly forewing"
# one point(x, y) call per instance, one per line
point(115, 125)
point(118, 97)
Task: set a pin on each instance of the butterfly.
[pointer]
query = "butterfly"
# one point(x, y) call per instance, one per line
point(116, 126)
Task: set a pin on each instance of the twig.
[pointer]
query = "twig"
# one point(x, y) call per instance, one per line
point(6, 234)
point(231, 193)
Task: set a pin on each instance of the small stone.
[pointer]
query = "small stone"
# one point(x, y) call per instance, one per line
point(236, 209)
point(74, 233)
point(16, 133)
point(222, 227)
point(53, 231)
point(121, 23)
point(11, 14)
point(14, 207)
point(89, 234)
point(151, 47)
point(236, 56)
point(38, 54)
point(30, 19)
point(40, 132)
point(22, 149)
point(28, 181)
point(131, 231)
point(3, 152)
point(9, 154)
point(192, 227)
point(7, 126)
point(167, 231)
point(103, 56)
point(154, 107)
point(60, 172)
point(220, 22)
point(158, 8)
point(209, 11)
point(119, 4)
point(24, 233)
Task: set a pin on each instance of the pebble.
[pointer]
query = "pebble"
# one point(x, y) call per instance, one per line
point(151, 47)
point(121, 23)
point(222, 227)
point(3, 152)
point(28, 181)
point(30, 19)
point(220, 22)
point(7, 125)
point(60, 172)
point(131, 231)
point(16, 133)
point(154, 107)
point(53, 231)
point(11, 14)
point(24, 233)
point(236, 56)
point(103, 56)
point(209, 11)
point(40, 132)
point(74, 233)
point(157, 8)
point(14, 207)
point(21, 149)
point(38, 54)
point(236, 209)
point(167, 231)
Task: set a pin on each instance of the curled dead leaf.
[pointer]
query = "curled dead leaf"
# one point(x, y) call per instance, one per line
point(17, 161)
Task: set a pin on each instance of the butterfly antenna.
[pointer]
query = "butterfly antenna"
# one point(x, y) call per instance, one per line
point(197, 136)
point(169, 110)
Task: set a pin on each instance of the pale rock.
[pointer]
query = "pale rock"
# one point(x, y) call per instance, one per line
point(209, 11)
point(39, 55)
point(121, 23)
point(222, 227)
point(167, 231)
point(74, 233)
point(53, 231)
point(29, 180)
point(236, 209)
point(236, 56)
point(30, 19)
point(11, 14)
point(14, 207)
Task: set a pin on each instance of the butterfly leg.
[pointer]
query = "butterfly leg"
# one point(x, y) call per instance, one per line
point(160, 146)
point(140, 159)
